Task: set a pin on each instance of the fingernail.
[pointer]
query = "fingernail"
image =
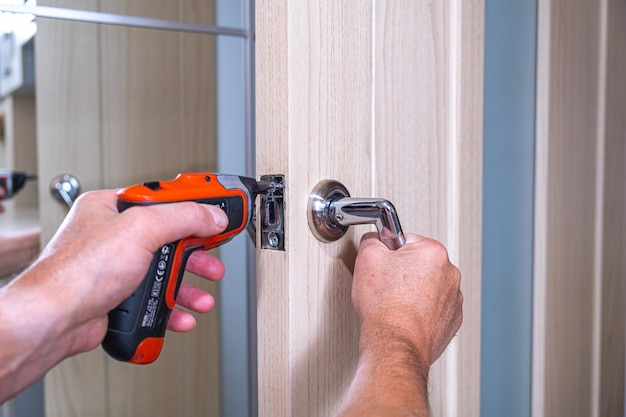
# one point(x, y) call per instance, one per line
point(219, 217)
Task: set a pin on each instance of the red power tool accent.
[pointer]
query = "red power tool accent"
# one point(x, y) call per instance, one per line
point(137, 326)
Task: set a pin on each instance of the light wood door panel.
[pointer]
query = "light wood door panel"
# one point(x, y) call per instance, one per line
point(313, 121)
point(385, 97)
point(579, 278)
point(68, 141)
point(612, 341)
point(118, 106)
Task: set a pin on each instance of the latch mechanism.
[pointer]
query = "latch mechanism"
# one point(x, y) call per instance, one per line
point(272, 213)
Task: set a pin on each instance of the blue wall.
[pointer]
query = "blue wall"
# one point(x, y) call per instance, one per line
point(509, 136)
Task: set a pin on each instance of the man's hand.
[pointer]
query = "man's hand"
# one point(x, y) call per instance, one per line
point(113, 250)
point(58, 307)
point(413, 292)
point(409, 305)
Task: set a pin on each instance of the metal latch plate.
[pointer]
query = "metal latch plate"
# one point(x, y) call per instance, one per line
point(272, 213)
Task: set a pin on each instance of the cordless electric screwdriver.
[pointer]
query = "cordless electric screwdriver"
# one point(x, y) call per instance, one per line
point(13, 181)
point(137, 326)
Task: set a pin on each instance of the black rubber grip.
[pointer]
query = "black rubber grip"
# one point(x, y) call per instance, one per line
point(145, 313)
point(137, 326)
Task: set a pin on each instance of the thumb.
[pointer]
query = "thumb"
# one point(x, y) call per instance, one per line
point(174, 221)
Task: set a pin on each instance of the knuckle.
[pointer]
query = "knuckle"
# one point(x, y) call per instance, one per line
point(86, 198)
point(459, 320)
point(456, 273)
point(368, 250)
point(195, 212)
point(93, 198)
point(435, 249)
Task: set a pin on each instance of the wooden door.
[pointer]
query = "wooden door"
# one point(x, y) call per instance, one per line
point(579, 330)
point(385, 97)
point(117, 106)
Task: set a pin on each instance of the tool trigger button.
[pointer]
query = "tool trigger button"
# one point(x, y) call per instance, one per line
point(153, 185)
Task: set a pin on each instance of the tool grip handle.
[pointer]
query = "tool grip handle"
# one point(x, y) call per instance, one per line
point(137, 326)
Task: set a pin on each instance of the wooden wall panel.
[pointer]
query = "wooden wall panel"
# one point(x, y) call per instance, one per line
point(68, 107)
point(25, 147)
point(579, 322)
point(377, 97)
point(68, 141)
point(120, 106)
point(272, 150)
point(612, 343)
point(428, 159)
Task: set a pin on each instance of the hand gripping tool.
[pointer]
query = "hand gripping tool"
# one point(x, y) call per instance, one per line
point(137, 326)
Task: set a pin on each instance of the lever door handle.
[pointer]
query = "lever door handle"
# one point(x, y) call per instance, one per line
point(331, 210)
point(65, 188)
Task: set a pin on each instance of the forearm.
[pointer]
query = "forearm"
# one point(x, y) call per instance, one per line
point(59, 306)
point(17, 250)
point(32, 322)
point(391, 378)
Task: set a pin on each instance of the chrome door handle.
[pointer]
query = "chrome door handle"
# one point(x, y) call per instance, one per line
point(331, 210)
point(65, 188)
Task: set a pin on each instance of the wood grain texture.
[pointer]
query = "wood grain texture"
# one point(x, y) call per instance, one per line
point(68, 141)
point(68, 109)
point(578, 351)
point(571, 209)
point(612, 368)
point(158, 103)
point(542, 122)
point(24, 147)
point(272, 149)
point(313, 123)
point(120, 106)
point(429, 140)
point(366, 94)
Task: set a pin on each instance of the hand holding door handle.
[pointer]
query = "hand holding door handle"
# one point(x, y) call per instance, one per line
point(331, 210)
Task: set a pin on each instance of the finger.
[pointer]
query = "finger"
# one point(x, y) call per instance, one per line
point(194, 298)
point(413, 238)
point(176, 221)
point(205, 265)
point(370, 238)
point(190, 218)
point(181, 321)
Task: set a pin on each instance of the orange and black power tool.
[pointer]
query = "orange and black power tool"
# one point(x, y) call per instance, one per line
point(137, 326)
point(12, 181)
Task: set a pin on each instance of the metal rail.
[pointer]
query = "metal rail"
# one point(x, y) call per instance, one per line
point(122, 20)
